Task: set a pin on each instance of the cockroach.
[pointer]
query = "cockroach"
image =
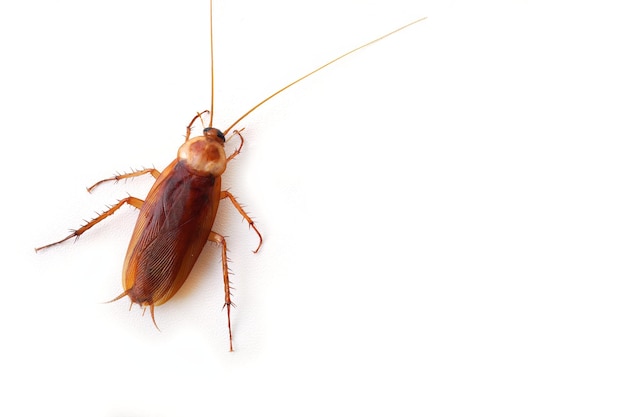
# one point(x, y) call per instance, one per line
point(176, 218)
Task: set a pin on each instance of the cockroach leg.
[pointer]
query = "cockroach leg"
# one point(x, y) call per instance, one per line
point(133, 201)
point(226, 194)
point(154, 172)
point(198, 115)
point(236, 152)
point(219, 239)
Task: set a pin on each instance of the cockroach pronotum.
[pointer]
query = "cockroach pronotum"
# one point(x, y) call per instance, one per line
point(176, 218)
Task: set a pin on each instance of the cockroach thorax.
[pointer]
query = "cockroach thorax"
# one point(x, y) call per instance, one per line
point(204, 155)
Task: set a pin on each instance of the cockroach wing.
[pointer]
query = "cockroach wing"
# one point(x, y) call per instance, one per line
point(173, 226)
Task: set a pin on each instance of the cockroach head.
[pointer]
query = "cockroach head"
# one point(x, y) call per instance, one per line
point(204, 155)
point(215, 132)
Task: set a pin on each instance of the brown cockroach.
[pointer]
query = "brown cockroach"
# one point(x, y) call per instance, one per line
point(176, 218)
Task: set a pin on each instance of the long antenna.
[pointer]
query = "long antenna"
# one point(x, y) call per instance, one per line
point(307, 75)
point(212, 76)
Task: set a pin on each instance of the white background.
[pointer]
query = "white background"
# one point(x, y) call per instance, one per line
point(444, 212)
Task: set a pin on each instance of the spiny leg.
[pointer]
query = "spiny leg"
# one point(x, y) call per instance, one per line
point(155, 173)
point(238, 150)
point(133, 201)
point(226, 194)
point(198, 115)
point(219, 239)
